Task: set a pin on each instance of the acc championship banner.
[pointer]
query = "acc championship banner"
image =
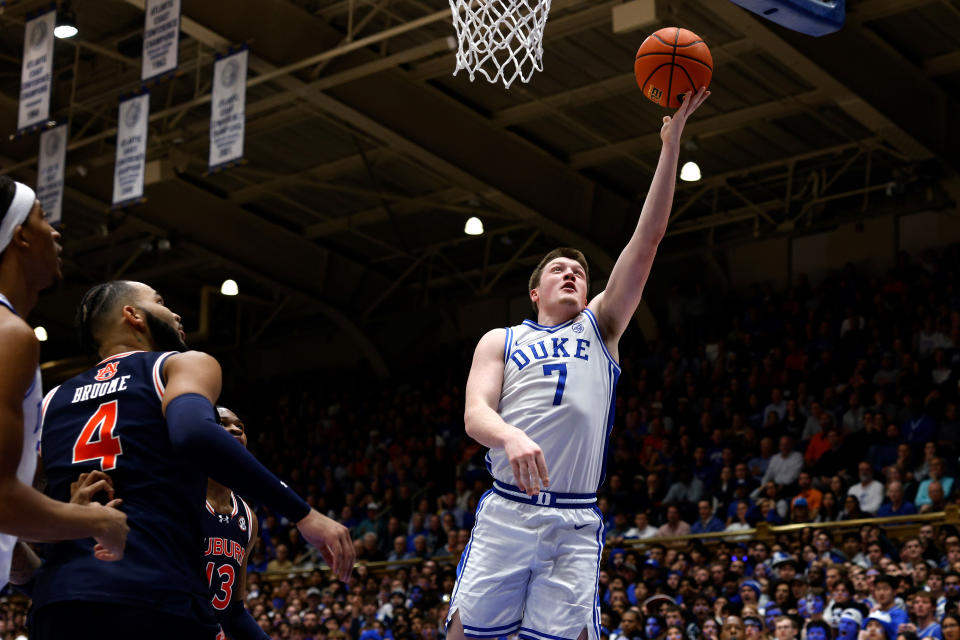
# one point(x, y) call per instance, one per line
point(131, 150)
point(37, 72)
point(227, 109)
point(161, 37)
point(53, 157)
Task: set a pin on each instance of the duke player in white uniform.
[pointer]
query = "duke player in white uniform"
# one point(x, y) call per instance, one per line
point(29, 263)
point(541, 396)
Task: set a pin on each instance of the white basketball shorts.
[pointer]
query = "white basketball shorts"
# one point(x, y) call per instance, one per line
point(529, 568)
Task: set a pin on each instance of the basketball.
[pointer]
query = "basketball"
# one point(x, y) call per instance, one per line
point(671, 62)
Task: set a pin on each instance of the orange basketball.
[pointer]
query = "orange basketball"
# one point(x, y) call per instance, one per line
point(672, 62)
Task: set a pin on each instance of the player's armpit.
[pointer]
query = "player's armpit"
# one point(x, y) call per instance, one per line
point(23, 564)
point(191, 372)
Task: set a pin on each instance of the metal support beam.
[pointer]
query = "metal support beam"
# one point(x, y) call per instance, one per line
point(854, 105)
point(321, 172)
point(511, 262)
point(703, 127)
point(867, 10)
point(378, 214)
point(601, 90)
point(942, 65)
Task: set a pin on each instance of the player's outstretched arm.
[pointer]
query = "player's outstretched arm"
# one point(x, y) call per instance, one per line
point(618, 302)
point(27, 513)
point(193, 382)
point(485, 425)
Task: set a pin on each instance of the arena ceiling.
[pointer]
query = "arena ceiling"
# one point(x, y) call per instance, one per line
point(365, 156)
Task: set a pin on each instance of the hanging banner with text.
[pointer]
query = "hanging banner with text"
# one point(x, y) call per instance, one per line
point(50, 169)
point(228, 109)
point(37, 73)
point(131, 150)
point(161, 38)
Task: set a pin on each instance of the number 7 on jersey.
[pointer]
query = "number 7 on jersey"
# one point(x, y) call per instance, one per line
point(548, 369)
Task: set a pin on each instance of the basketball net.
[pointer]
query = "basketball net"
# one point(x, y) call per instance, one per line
point(501, 39)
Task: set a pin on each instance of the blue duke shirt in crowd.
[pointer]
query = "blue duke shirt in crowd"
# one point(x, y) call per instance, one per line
point(109, 418)
point(712, 525)
point(931, 631)
point(559, 387)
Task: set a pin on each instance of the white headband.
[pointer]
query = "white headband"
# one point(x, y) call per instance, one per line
point(852, 614)
point(23, 201)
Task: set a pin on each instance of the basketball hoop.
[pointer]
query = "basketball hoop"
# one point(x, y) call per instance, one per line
point(501, 39)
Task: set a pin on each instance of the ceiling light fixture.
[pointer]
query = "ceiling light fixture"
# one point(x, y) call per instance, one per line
point(66, 26)
point(229, 288)
point(690, 172)
point(474, 226)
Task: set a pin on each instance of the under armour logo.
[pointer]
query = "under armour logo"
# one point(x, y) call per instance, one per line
point(223, 518)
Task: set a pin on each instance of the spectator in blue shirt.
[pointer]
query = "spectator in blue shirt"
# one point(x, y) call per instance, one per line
point(936, 475)
point(896, 506)
point(708, 523)
point(884, 592)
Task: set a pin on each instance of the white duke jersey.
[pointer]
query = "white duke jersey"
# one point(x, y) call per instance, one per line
point(28, 455)
point(559, 388)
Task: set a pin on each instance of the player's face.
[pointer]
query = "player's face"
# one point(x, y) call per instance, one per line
point(45, 246)
point(233, 424)
point(563, 283)
point(165, 326)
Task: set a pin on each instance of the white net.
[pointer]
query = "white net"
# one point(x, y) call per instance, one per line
point(501, 39)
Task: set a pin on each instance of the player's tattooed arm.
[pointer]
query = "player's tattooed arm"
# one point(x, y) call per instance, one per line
point(485, 425)
point(617, 304)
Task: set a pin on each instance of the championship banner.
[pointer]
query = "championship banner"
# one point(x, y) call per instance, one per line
point(161, 38)
point(228, 109)
point(37, 73)
point(50, 170)
point(131, 150)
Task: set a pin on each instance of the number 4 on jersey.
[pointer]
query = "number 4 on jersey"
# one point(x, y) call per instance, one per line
point(106, 447)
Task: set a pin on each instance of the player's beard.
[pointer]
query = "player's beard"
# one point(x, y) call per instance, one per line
point(165, 337)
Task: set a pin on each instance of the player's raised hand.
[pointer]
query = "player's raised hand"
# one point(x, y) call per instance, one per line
point(113, 537)
point(90, 484)
point(673, 127)
point(333, 541)
point(526, 460)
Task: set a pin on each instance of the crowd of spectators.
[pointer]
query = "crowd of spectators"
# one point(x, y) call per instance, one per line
point(820, 403)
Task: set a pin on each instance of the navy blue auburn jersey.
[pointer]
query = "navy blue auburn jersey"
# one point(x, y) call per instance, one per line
point(226, 537)
point(110, 418)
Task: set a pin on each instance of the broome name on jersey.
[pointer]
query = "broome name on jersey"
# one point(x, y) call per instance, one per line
point(99, 389)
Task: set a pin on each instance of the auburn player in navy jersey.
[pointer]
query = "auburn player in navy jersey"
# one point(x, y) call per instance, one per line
point(29, 263)
point(230, 530)
point(145, 416)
